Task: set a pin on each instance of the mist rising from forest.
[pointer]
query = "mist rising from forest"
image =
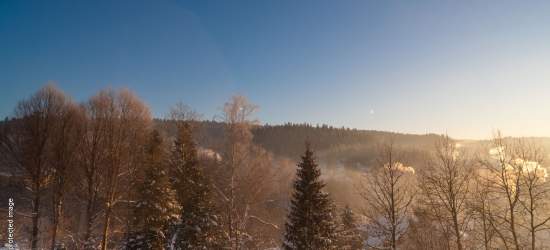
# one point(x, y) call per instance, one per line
point(104, 173)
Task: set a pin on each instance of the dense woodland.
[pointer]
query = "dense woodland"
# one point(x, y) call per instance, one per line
point(105, 174)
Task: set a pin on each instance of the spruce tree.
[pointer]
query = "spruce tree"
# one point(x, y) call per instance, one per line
point(349, 235)
point(310, 222)
point(198, 227)
point(156, 205)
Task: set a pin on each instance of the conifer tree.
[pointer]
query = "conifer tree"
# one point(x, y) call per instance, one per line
point(350, 236)
point(310, 222)
point(156, 205)
point(198, 227)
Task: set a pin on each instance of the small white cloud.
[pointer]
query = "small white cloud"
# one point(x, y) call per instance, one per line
point(210, 153)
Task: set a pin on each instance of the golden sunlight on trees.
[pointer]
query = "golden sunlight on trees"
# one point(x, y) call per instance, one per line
point(388, 195)
point(246, 178)
point(511, 170)
point(445, 185)
point(105, 174)
point(126, 122)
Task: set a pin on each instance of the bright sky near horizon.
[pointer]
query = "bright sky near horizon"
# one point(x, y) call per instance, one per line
point(462, 67)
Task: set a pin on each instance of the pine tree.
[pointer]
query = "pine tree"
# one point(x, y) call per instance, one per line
point(156, 205)
point(311, 217)
point(349, 235)
point(198, 227)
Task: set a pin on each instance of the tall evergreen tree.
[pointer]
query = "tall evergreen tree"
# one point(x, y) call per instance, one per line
point(198, 227)
point(156, 206)
point(350, 237)
point(311, 217)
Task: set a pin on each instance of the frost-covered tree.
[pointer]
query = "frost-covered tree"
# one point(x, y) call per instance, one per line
point(156, 206)
point(198, 226)
point(311, 223)
point(349, 235)
point(245, 181)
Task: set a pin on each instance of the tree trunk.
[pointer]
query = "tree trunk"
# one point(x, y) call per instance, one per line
point(89, 208)
point(59, 193)
point(513, 227)
point(106, 228)
point(457, 232)
point(35, 217)
point(56, 215)
point(532, 229)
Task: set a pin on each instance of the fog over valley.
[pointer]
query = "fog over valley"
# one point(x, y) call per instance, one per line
point(103, 173)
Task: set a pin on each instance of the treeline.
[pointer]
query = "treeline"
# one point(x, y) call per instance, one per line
point(332, 145)
point(335, 143)
point(103, 174)
point(337, 146)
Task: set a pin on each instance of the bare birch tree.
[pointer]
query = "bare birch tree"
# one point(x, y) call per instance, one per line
point(535, 199)
point(504, 178)
point(514, 170)
point(388, 194)
point(246, 175)
point(446, 183)
point(481, 205)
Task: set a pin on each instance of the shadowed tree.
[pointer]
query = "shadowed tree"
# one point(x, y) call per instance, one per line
point(25, 144)
point(156, 205)
point(91, 152)
point(425, 231)
point(311, 222)
point(63, 147)
point(349, 235)
point(198, 226)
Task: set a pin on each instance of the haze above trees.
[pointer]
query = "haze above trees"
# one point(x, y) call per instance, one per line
point(105, 174)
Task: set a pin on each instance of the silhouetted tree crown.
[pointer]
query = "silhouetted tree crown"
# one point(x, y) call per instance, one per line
point(198, 227)
point(156, 205)
point(310, 222)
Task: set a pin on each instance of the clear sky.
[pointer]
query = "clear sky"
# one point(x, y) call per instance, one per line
point(461, 67)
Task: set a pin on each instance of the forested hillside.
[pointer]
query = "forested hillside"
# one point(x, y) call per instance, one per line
point(104, 174)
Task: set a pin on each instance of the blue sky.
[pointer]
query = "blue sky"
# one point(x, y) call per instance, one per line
point(462, 67)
